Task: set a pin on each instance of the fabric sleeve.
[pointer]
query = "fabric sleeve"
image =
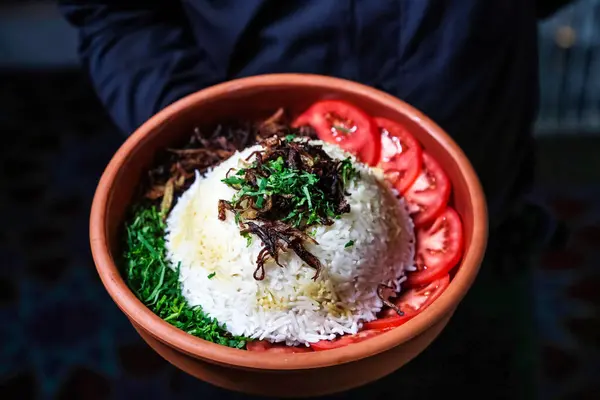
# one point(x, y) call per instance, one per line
point(140, 55)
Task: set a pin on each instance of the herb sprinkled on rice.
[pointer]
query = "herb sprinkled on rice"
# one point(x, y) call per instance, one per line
point(297, 260)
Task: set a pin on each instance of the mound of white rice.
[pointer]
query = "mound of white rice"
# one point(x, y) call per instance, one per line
point(217, 264)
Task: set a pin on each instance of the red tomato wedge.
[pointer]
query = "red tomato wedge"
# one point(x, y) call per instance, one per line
point(341, 123)
point(439, 248)
point(266, 346)
point(429, 194)
point(401, 154)
point(346, 340)
point(411, 302)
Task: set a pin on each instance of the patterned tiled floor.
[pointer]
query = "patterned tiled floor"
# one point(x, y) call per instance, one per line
point(62, 337)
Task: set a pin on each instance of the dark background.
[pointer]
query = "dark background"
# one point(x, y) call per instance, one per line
point(62, 337)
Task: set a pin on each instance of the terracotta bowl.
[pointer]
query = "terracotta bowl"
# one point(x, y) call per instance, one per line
point(290, 375)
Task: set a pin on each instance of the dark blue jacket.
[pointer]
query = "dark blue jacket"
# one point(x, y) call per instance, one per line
point(471, 65)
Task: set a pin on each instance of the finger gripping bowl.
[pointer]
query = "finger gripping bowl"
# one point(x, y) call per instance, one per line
point(281, 375)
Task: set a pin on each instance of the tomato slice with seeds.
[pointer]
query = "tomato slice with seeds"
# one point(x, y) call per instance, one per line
point(401, 154)
point(411, 302)
point(262, 346)
point(429, 194)
point(345, 340)
point(341, 123)
point(439, 248)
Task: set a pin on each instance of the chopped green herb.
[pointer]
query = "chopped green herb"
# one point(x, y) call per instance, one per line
point(156, 284)
point(349, 173)
point(289, 187)
point(341, 128)
point(233, 181)
point(290, 137)
point(211, 275)
point(308, 204)
point(349, 244)
point(248, 239)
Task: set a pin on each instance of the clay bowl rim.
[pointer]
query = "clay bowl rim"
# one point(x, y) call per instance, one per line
point(201, 349)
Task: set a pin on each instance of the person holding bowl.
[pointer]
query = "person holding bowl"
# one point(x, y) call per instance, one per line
point(471, 66)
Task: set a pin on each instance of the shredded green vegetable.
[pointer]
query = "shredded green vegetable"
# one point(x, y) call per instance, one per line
point(150, 277)
point(308, 202)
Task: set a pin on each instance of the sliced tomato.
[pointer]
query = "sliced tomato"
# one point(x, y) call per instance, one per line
point(401, 154)
point(345, 340)
point(439, 248)
point(429, 194)
point(341, 123)
point(411, 302)
point(281, 348)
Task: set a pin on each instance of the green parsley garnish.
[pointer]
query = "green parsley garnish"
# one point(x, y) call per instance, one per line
point(233, 181)
point(341, 128)
point(306, 203)
point(349, 244)
point(149, 276)
point(248, 239)
point(211, 275)
point(290, 186)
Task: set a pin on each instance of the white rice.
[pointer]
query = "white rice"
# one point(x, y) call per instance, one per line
point(217, 265)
